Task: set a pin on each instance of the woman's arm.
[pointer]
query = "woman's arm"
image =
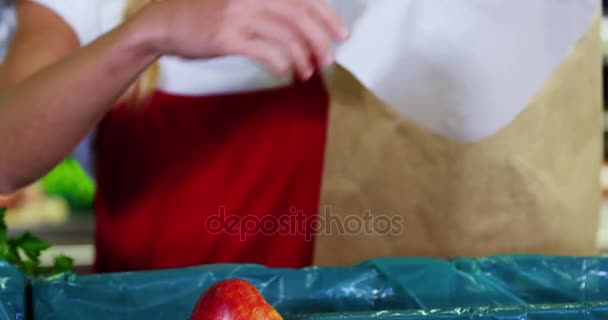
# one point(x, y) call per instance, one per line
point(44, 116)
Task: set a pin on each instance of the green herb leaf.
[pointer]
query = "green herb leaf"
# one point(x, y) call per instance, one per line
point(62, 264)
point(24, 251)
point(30, 267)
point(12, 255)
point(3, 228)
point(31, 245)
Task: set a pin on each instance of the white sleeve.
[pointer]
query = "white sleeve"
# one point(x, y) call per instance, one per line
point(83, 16)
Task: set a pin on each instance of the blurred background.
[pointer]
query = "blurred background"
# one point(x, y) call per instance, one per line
point(59, 207)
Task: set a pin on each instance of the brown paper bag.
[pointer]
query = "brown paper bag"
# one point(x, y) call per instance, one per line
point(531, 188)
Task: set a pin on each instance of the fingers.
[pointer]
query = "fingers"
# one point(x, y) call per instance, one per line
point(10, 200)
point(297, 50)
point(263, 51)
point(289, 36)
point(304, 26)
point(325, 13)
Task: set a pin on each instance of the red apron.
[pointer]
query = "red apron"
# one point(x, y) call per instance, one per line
point(186, 180)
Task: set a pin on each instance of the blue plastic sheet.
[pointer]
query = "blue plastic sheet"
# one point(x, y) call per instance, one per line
point(597, 311)
point(520, 287)
point(12, 292)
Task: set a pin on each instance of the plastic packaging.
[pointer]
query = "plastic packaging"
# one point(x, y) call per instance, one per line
point(516, 287)
point(12, 292)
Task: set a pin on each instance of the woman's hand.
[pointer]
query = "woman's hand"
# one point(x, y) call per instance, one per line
point(10, 200)
point(289, 36)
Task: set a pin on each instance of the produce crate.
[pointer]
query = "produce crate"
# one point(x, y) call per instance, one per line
point(12, 293)
point(505, 287)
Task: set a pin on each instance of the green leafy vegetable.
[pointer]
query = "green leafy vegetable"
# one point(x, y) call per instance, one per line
point(70, 182)
point(3, 235)
point(63, 263)
point(24, 251)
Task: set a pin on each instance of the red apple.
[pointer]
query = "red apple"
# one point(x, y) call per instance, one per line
point(233, 299)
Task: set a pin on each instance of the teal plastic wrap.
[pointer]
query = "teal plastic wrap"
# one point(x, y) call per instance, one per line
point(12, 292)
point(595, 311)
point(521, 287)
